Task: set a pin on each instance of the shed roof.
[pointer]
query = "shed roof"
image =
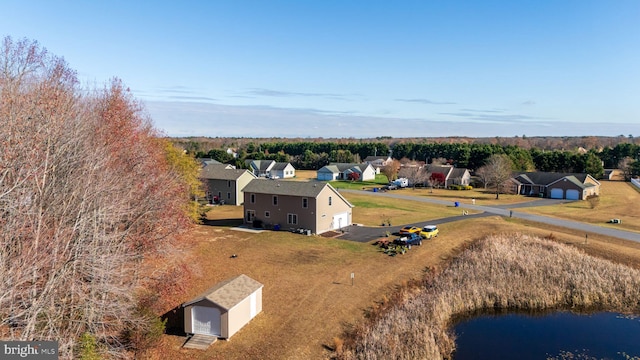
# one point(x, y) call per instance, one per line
point(228, 293)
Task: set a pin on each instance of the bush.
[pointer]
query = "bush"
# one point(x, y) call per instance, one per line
point(88, 348)
point(593, 200)
point(460, 187)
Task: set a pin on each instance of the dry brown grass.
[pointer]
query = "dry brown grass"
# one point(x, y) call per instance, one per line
point(308, 298)
point(512, 271)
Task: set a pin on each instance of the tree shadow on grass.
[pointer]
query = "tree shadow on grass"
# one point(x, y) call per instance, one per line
point(175, 321)
point(223, 222)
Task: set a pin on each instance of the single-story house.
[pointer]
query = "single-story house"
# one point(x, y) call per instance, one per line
point(341, 171)
point(282, 170)
point(452, 175)
point(271, 169)
point(378, 161)
point(225, 308)
point(557, 185)
point(310, 205)
point(224, 183)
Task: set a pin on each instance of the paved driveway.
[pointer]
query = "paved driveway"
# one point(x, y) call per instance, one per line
point(367, 233)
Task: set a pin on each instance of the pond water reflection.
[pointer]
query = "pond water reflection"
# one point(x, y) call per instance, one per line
point(555, 335)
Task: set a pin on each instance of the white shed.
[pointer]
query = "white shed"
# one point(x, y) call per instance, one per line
point(223, 309)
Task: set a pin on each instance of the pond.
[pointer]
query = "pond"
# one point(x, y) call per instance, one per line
point(559, 335)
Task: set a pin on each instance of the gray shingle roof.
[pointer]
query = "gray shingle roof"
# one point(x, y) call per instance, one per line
point(310, 189)
point(228, 293)
point(221, 172)
point(280, 166)
point(547, 178)
point(280, 187)
point(346, 166)
point(260, 165)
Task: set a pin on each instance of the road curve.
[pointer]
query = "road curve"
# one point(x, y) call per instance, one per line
point(353, 233)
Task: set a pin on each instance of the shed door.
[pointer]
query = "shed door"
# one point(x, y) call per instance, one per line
point(557, 194)
point(339, 221)
point(573, 194)
point(205, 320)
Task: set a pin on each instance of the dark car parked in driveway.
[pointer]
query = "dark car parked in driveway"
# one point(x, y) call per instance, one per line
point(408, 240)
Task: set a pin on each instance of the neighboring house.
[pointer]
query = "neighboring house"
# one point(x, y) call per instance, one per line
point(271, 169)
point(556, 185)
point(378, 161)
point(341, 171)
point(312, 205)
point(452, 175)
point(613, 174)
point(224, 183)
point(282, 170)
point(223, 309)
point(260, 168)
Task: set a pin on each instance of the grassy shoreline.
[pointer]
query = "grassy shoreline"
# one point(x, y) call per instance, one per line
point(514, 271)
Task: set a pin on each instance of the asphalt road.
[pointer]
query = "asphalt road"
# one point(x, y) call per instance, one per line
point(368, 233)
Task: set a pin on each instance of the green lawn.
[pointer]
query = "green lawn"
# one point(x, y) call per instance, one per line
point(379, 181)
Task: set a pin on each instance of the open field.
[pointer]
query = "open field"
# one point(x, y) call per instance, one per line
point(617, 200)
point(374, 211)
point(308, 296)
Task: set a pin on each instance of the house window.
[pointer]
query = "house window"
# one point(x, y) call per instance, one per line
point(292, 219)
point(228, 183)
point(275, 200)
point(305, 203)
point(228, 196)
point(267, 214)
point(329, 200)
point(252, 198)
point(250, 216)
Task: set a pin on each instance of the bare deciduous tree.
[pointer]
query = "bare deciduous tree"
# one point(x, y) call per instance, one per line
point(497, 170)
point(85, 192)
point(415, 174)
point(391, 170)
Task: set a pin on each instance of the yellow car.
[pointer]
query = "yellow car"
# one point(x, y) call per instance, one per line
point(409, 230)
point(429, 231)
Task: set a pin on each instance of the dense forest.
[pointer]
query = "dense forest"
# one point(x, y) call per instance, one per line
point(589, 154)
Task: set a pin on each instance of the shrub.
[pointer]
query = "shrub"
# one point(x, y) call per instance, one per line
point(593, 200)
point(88, 348)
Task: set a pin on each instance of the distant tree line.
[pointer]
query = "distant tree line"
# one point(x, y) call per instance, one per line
point(309, 155)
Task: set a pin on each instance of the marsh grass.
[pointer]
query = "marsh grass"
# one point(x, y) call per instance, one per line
point(499, 272)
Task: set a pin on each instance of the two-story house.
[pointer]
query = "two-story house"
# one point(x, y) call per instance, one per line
point(312, 205)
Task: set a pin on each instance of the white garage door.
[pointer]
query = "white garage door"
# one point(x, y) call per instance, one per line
point(557, 194)
point(340, 220)
point(205, 320)
point(573, 194)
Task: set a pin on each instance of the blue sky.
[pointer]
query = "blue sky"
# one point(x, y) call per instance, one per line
point(355, 68)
